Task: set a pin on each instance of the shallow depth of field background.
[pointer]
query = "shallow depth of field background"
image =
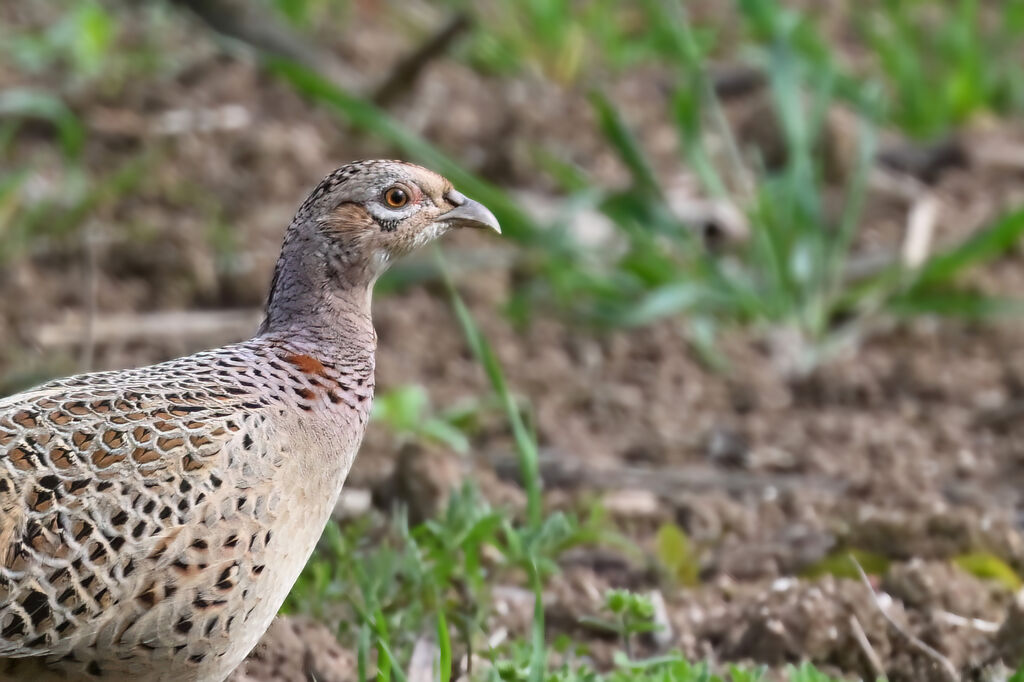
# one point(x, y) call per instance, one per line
point(753, 327)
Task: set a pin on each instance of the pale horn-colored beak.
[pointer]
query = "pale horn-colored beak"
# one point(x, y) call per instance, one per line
point(469, 213)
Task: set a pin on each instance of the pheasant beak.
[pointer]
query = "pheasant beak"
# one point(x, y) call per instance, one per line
point(468, 213)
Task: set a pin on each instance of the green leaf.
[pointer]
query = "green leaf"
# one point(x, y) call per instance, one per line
point(963, 304)
point(363, 651)
point(402, 408)
point(444, 643)
point(28, 103)
point(538, 655)
point(92, 33)
point(839, 565)
point(676, 554)
point(985, 245)
point(526, 445)
point(989, 567)
point(806, 673)
point(385, 660)
point(615, 600)
point(737, 674)
point(446, 434)
point(625, 143)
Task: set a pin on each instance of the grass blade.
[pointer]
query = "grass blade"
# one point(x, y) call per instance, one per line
point(26, 103)
point(444, 643)
point(526, 446)
point(384, 652)
point(625, 143)
point(538, 656)
point(384, 659)
point(363, 651)
point(983, 246)
point(963, 304)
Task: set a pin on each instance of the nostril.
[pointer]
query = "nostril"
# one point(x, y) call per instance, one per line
point(455, 197)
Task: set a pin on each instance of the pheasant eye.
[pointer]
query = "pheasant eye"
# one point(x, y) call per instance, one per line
point(396, 197)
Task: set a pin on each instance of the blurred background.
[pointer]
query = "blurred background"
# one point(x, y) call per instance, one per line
point(743, 380)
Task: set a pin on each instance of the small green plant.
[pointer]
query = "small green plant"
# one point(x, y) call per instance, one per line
point(406, 411)
point(792, 271)
point(307, 13)
point(846, 563)
point(630, 615)
point(91, 46)
point(566, 41)
point(943, 64)
point(937, 64)
point(807, 673)
point(677, 555)
point(81, 41)
point(791, 274)
point(436, 577)
point(395, 581)
point(988, 566)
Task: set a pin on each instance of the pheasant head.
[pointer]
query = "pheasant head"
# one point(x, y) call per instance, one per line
point(353, 225)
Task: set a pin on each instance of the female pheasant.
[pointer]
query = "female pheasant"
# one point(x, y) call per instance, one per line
point(153, 520)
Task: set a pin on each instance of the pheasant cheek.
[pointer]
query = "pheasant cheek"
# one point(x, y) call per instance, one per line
point(350, 219)
point(394, 245)
point(402, 240)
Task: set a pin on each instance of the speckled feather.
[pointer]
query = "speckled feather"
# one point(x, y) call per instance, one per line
point(153, 520)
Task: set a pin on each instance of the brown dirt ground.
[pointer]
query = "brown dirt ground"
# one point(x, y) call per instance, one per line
point(910, 448)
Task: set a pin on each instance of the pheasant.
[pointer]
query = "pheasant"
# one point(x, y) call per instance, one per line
point(153, 520)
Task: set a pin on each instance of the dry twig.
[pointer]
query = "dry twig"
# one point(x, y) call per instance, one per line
point(865, 646)
point(567, 471)
point(921, 221)
point(179, 326)
point(408, 69)
point(255, 25)
point(959, 621)
point(944, 663)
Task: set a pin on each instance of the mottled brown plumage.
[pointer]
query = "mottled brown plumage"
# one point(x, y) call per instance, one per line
point(153, 520)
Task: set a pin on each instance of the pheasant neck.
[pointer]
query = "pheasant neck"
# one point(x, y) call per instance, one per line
point(310, 307)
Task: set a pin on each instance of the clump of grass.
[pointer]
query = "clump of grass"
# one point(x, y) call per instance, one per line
point(81, 41)
point(792, 272)
point(629, 615)
point(87, 45)
point(435, 578)
point(943, 64)
point(936, 64)
point(28, 218)
point(406, 412)
point(440, 571)
point(561, 39)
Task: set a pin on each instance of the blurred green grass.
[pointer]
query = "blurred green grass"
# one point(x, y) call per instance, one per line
point(926, 70)
point(792, 274)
